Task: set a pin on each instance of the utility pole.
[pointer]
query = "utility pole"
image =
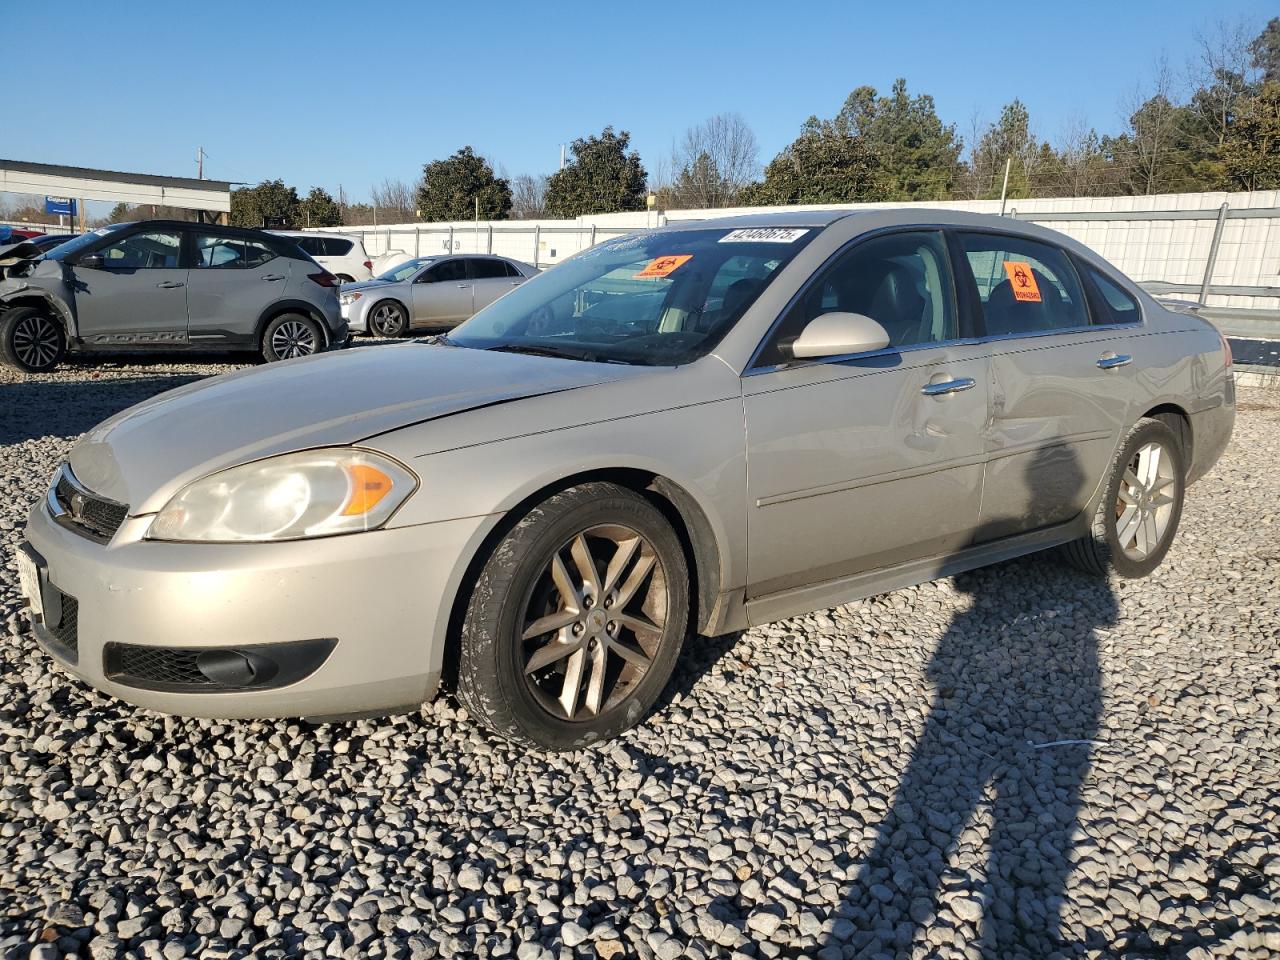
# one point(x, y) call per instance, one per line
point(562, 156)
point(200, 155)
point(477, 199)
point(1004, 190)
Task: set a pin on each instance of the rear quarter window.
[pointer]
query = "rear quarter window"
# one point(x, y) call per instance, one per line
point(1115, 304)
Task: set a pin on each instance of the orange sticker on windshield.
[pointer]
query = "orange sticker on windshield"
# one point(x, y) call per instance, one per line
point(663, 266)
point(1023, 281)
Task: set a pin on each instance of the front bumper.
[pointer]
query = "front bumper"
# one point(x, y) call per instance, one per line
point(370, 608)
point(354, 315)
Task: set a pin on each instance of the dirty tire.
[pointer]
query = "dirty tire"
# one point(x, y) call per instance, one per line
point(493, 656)
point(31, 340)
point(289, 336)
point(1100, 552)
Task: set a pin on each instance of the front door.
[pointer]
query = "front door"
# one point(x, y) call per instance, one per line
point(233, 280)
point(139, 294)
point(442, 294)
point(861, 463)
point(1060, 383)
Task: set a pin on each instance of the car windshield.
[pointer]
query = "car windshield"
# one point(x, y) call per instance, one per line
point(64, 250)
point(406, 269)
point(661, 298)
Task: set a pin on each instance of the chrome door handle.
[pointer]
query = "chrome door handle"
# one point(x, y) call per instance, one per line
point(170, 284)
point(273, 277)
point(464, 286)
point(1110, 361)
point(958, 385)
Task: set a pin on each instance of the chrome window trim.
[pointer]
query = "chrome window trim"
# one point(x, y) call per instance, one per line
point(960, 342)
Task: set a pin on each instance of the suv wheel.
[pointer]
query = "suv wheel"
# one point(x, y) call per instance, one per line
point(31, 340)
point(576, 620)
point(388, 319)
point(291, 335)
point(1141, 505)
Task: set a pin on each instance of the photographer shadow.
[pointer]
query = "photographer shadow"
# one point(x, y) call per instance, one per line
point(999, 766)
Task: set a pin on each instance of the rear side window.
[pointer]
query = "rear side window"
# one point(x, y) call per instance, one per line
point(235, 253)
point(1025, 286)
point(312, 246)
point(337, 247)
point(256, 253)
point(512, 271)
point(1117, 306)
point(488, 269)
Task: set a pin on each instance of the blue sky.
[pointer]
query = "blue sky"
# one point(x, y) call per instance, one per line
point(348, 93)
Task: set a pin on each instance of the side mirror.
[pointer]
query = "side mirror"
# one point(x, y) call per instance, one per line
point(91, 261)
point(837, 334)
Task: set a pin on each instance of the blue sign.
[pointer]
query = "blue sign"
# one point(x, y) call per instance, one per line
point(63, 206)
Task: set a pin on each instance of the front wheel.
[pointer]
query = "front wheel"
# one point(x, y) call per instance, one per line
point(289, 336)
point(576, 620)
point(1141, 505)
point(30, 340)
point(388, 319)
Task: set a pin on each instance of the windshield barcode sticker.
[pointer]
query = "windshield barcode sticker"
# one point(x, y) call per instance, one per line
point(764, 235)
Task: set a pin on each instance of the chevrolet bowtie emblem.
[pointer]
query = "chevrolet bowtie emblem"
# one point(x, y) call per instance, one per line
point(77, 505)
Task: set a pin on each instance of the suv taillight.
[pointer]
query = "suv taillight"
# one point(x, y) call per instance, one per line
point(1226, 350)
point(368, 264)
point(324, 278)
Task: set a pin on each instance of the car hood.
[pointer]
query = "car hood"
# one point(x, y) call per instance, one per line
point(374, 284)
point(144, 454)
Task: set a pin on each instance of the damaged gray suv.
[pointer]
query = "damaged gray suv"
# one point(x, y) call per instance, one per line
point(165, 285)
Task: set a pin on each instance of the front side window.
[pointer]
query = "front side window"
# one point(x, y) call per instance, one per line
point(662, 298)
point(1025, 286)
point(901, 281)
point(450, 270)
point(144, 251)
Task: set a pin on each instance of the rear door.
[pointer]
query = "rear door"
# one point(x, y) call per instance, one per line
point(442, 294)
point(139, 295)
point(865, 462)
point(233, 280)
point(491, 278)
point(1060, 382)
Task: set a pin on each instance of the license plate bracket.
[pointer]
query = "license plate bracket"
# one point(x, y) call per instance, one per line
point(31, 577)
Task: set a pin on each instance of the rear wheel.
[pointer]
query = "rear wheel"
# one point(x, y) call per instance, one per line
point(388, 319)
point(31, 340)
point(1141, 505)
point(345, 278)
point(289, 336)
point(576, 620)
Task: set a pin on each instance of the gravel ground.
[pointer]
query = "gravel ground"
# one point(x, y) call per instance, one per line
point(887, 778)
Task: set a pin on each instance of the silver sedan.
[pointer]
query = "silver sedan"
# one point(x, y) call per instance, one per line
point(679, 433)
point(429, 292)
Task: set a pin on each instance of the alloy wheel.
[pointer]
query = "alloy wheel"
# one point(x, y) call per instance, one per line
point(36, 341)
point(385, 319)
point(1145, 501)
point(594, 622)
point(293, 338)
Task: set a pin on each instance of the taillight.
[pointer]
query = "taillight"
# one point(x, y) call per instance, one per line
point(324, 278)
point(1226, 349)
point(368, 264)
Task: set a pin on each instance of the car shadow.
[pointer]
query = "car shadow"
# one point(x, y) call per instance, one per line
point(1000, 763)
point(36, 407)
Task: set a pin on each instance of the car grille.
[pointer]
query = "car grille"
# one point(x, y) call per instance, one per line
point(85, 511)
point(151, 666)
point(66, 633)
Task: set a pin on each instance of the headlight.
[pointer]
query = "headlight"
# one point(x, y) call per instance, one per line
point(316, 493)
point(346, 298)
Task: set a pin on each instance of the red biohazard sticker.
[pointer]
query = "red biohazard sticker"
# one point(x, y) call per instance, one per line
point(1023, 281)
point(663, 266)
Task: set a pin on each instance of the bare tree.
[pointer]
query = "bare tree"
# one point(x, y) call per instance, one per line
point(714, 161)
point(1154, 126)
point(393, 201)
point(1079, 155)
point(528, 196)
point(1222, 72)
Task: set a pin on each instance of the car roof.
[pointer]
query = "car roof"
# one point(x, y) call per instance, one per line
point(882, 216)
point(183, 224)
point(784, 218)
